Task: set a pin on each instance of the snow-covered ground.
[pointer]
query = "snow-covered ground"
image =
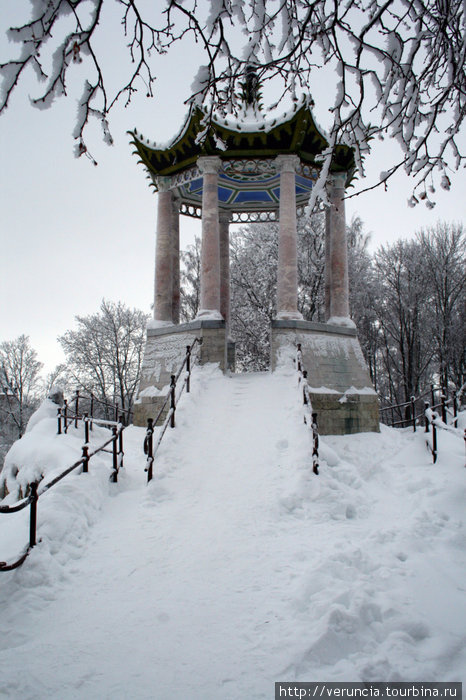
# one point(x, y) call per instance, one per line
point(237, 566)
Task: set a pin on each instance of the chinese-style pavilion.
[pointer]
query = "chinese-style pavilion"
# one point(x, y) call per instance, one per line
point(253, 170)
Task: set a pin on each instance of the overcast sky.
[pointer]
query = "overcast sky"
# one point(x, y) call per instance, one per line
point(72, 233)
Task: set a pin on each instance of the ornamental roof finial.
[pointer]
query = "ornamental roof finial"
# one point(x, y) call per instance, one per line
point(251, 88)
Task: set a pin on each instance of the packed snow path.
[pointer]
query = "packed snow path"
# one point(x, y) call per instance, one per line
point(237, 567)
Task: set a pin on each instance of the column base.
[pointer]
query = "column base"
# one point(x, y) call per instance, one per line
point(209, 315)
point(289, 316)
point(343, 321)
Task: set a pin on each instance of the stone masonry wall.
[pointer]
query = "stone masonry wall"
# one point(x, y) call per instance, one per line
point(339, 383)
point(164, 353)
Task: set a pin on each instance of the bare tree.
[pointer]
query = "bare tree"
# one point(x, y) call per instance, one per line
point(444, 255)
point(404, 314)
point(397, 66)
point(104, 354)
point(19, 383)
point(190, 275)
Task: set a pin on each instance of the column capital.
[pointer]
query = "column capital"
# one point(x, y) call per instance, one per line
point(164, 183)
point(337, 180)
point(287, 162)
point(209, 164)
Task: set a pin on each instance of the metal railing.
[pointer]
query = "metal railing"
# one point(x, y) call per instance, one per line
point(433, 421)
point(310, 416)
point(92, 403)
point(39, 488)
point(150, 449)
point(414, 409)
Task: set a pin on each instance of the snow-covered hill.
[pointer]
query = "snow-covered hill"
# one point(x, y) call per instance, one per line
point(237, 566)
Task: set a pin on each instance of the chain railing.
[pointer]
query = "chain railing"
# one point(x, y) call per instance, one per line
point(39, 488)
point(172, 398)
point(310, 416)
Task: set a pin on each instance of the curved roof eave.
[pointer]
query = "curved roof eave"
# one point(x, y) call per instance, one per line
point(297, 134)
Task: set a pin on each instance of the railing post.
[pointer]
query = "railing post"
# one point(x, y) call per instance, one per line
point(65, 411)
point(114, 474)
point(148, 448)
point(92, 409)
point(172, 400)
point(59, 420)
point(33, 515)
point(413, 413)
point(315, 444)
point(76, 409)
point(434, 442)
point(120, 443)
point(426, 407)
point(299, 357)
point(86, 428)
point(443, 399)
point(304, 386)
point(432, 396)
point(85, 459)
point(188, 368)
point(455, 408)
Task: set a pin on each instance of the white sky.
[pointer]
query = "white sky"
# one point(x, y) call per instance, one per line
point(72, 233)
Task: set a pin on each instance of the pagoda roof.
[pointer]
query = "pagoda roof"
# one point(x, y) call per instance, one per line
point(248, 180)
point(295, 133)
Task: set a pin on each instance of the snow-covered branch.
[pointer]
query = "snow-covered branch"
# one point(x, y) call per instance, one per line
point(399, 66)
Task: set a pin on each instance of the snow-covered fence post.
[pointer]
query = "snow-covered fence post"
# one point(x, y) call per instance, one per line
point(304, 380)
point(172, 400)
point(91, 410)
point(188, 368)
point(65, 414)
point(434, 441)
point(85, 459)
point(114, 474)
point(431, 417)
point(426, 408)
point(33, 514)
point(120, 444)
point(309, 416)
point(443, 400)
point(59, 420)
point(86, 428)
point(413, 413)
point(148, 448)
point(315, 444)
point(455, 409)
point(76, 409)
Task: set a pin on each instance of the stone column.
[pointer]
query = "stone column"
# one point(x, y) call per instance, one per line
point(163, 254)
point(338, 258)
point(327, 270)
point(287, 283)
point(210, 252)
point(176, 261)
point(224, 224)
